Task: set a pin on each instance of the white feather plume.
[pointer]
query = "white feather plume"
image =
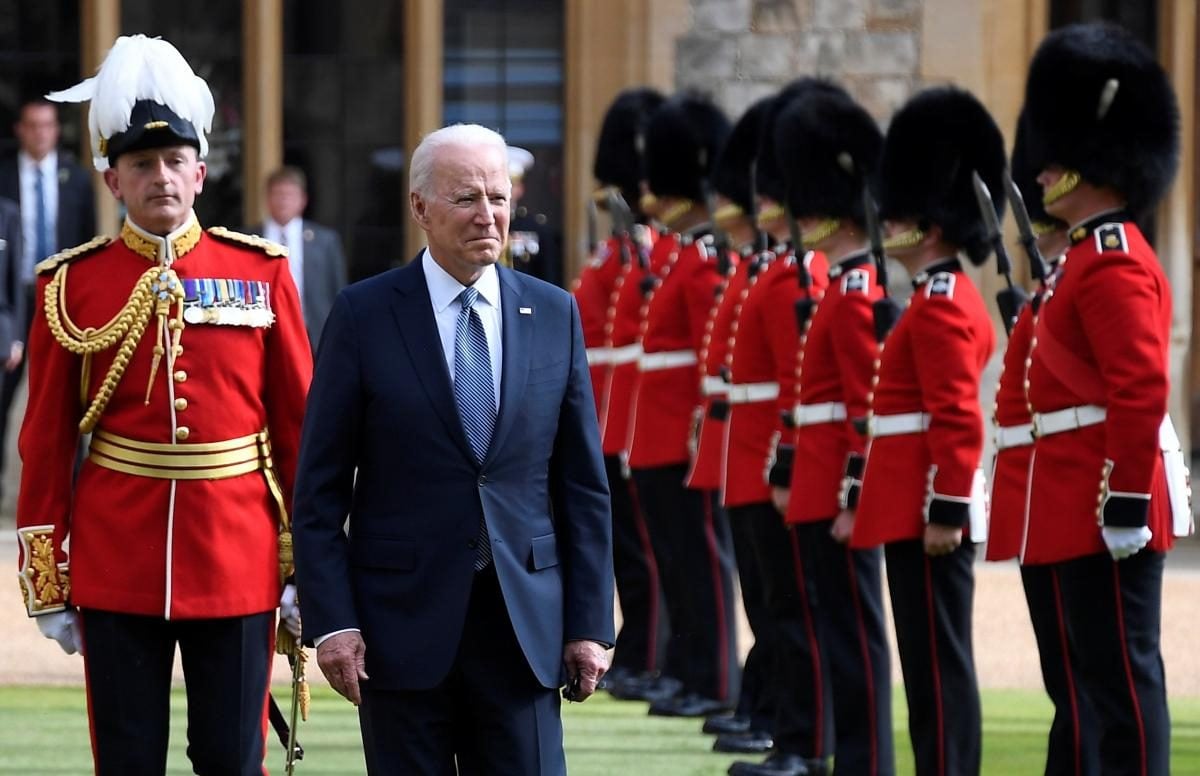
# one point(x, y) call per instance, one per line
point(141, 68)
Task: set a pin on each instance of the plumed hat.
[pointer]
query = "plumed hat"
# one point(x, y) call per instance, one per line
point(1100, 104)
point(731, 176)
point(683, 139)
point(828, 148)
point(618, 159)
point(144, 95)
point(935, 142)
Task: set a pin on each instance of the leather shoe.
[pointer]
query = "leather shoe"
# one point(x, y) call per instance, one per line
point(613, 677)
point(780, 764)
point(689, 705)
point(751, 742)
point(645, 687)
point(722, 724)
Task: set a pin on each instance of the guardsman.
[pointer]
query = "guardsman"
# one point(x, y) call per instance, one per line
point(1072, 742)
point(830, 148)
point(637, 658)
point(1108, 490)
point(762, 369)
point(533, 243)
point(922, 487)
point(689, 533)
point(183, 353)
point(748, 729)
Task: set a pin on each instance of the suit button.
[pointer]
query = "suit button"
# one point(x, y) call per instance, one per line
point(182, 433)
point(483, 480)
point(471, 544)
point(181, 404)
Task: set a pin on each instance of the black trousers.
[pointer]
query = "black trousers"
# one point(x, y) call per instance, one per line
point(489, 717)
point(1113, 611)
point(803, 722)
point(9, 381)
point(931, 604)
point(1073, 746)
point(759, 696)
point(849, 585)
point(226, 666)
point(692, 546)
point(645, 631)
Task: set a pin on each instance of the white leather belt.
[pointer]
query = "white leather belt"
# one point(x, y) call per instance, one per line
point(893, 425)
point(713, 386)
point(671, 359)
point(823, 412)
point(1047, 423)
point(599, 356)
point(747, 393)
point(1014, 436)
point(626, 354)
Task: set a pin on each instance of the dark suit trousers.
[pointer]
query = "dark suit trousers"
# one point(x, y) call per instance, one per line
point(690, 536)
point(759, 696)
point(849, 586)
point(1114, 611)
point(644, 634)
point(490, 715)
point(1073, 746)
point(10, 380)
point(931, 604)
point(226, 666)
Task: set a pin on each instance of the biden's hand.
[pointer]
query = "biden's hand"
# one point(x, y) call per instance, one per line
point(587, 660)
point(342, 658)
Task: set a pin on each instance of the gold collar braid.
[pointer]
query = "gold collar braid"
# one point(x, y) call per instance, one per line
point(149, 246)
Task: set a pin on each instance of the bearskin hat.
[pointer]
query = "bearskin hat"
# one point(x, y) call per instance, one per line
point(1100, 104)
point(732, 172)
point(1024, 175)
point(828, 148)
point(683, 139)
point(770, 178)
point(935, 142)
point(618, 161)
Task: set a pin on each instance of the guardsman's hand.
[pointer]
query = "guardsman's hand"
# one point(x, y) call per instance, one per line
point(289, 610)
point(941, 539)
point(342, 659)
point(843, 526)
point(1123, 542)
point(779, 497)
point(15, 356)
point(63, 627)
point(587, 660)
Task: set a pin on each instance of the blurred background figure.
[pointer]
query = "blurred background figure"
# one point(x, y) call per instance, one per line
point(315, 254)
point(531, 247)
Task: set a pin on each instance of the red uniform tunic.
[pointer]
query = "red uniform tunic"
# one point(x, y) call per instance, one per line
point(676, 312)
point(1010, 468)
point(931, 363)
point(709, 458)
point(1101, 338)
point(837, 359)
point(763, 348)
point(595, 293)
point(625, 346)
point(174, 548)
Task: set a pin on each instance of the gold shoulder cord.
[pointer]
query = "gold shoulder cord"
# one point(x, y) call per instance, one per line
point(128, 325)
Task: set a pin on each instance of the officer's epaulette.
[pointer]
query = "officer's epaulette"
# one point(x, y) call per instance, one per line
point(272, 249)
point(1111, 237)
point(71, 254)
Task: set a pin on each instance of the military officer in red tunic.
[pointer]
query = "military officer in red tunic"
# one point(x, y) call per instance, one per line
point(922, 489)
point(1072, 742)
point(1107, 477)
point(830, 148)
point(642, 639)
point(183, 353)
point(690, 535)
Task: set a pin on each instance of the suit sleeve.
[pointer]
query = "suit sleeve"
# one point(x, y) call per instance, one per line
point(333, 430)
point(944, 349)
point(15, 301)
point(337, 262)
point(582, 510)
point(1121, 306)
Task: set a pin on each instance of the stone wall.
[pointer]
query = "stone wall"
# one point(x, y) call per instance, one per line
point(741, 50)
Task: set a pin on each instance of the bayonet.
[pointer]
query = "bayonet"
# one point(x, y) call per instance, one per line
point(1012, 298)
point(885, 309)
point(1037, 263)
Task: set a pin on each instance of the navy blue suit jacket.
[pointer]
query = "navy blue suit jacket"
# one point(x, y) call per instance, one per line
point(383, 444)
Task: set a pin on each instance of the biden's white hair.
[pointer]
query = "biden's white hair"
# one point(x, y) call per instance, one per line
point(420, 169)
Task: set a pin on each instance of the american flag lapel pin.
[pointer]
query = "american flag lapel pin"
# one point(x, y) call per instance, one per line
point(525, 310)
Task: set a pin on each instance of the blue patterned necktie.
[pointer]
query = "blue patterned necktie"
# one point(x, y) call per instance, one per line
point(42, 248)
point(474, 395)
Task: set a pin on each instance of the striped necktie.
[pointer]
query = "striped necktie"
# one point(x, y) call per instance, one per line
point(474, 395)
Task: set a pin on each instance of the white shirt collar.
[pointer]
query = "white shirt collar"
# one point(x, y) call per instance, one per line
point(444, 289)
point(48, 164)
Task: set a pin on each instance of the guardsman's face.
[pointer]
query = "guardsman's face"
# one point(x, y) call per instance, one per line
point(465, 214)
point(157, 185)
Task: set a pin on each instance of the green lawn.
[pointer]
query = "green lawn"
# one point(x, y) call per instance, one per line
point(44, 731)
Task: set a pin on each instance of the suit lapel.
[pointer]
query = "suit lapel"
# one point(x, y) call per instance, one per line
point(413, 312)
point(517, 335)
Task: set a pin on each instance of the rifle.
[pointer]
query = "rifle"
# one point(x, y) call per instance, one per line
point(806, 304)
point(721, 243)
point(1012, 298)
point(592, 240)
point(622, 221)
point(1037, 263)
point(885, 309)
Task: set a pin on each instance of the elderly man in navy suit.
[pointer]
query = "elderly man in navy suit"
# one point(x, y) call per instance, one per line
point(451, 417)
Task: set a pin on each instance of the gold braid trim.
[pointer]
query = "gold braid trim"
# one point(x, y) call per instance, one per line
point(128, 325)
point(45, 584)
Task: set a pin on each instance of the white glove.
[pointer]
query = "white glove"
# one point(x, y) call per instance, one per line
point(289, 610)
point(1123, 542)
point(63, 628)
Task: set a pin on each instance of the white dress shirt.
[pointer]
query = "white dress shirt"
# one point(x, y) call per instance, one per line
point(443, 293)
point(290, 234)
point(27, 171)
